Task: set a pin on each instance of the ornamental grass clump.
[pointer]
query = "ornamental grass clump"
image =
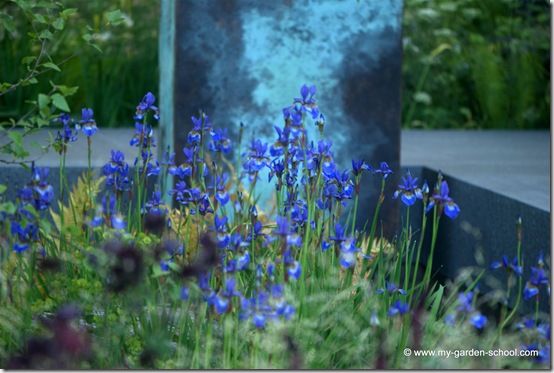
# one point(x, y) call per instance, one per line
point(221, 277)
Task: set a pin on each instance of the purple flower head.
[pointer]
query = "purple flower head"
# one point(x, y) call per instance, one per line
point(20, 247)
point(184, 294)
point(358, 166)
point(230, 288)
point(154, 204)
point(526, 323)
point(444, 202)
point(478, 320)
point(118, 221)
point(220, 141)
point(243, 261)
point(538, 278)
point(408, 190)
point(283, 227)
point(255, 157)
point(147, 103)
point(67, 134)
point(117, 172)
point(398, 308)
point(530, 291)
point(152, 169)
point(143, 136)
point(221, 194)
point(383, 170)
point(391, 288)
point(88, 124)
point(38, 192)
point(450, 319)
point(220, 223)
point(221, 305)
point(164, 265)
point(259, 320)
point(465, 302)
point(339, 234)
point(295, 270)
point(347, 259)
point(338, 185)
point(307, 103)
point(511, 267)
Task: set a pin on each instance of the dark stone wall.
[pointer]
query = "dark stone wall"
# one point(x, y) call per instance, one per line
point(484, 231)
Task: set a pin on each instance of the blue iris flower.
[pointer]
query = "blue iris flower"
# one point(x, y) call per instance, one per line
point(67, 134)
point(118, 221)
point(443, 200)
point(20, 247)
point(146, 104)
point(510, 267)
point(243, 261)
point(391, 288)
point(255, 158)
point(339, 234)
point(295, 270)
point(38, 191)
point(478, 321)
point(221, 304)
point(465, 302)
point(155, 204)
point(259, 320)
point(450, 319)
point(220, 142)
point(358, 166)
point(398, 308)
point(184, 294)
point(383, 170)
point(88, 124)
point(538, 278)
point(408, 190)
point(116, 172)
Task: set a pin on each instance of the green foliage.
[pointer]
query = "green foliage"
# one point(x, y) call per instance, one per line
point(50, 49)
point(476, 64)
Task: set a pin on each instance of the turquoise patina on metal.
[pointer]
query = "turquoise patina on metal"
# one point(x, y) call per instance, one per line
point(244, 60)
point(166, 53)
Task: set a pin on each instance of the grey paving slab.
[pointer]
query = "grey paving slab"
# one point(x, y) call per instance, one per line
point(515, 164)
point(102, 143)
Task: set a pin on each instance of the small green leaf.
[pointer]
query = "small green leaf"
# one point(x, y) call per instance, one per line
point(422, 97)
point(8, 23)
point(96, 47)
point(28, 60)
point(3, 188)
point(43, 101)
point(17, 145)
point(51, 65)
point(58, 24)
point(45, 34)
point(5, 86)
point(8, 207)
point(67, 91)
point(39, 18)
point(59, 101)
point(66, 13)
point(115, 17)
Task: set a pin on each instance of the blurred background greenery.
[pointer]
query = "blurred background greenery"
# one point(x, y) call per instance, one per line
point(115, 64)
point(476, 64)
point(467, 63)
